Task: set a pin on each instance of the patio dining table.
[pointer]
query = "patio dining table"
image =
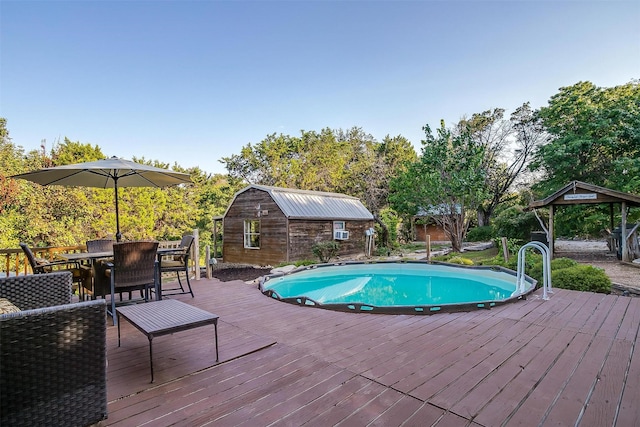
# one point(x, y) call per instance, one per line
point(92, 257)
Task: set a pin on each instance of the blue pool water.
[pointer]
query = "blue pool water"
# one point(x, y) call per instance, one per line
point(395, 287)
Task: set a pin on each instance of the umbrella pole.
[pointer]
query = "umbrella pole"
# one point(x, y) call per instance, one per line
point(118, 235)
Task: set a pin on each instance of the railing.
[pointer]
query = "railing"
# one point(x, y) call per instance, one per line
point(546, 267)
point(13, 262)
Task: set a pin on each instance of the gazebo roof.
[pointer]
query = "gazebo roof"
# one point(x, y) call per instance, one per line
point(577, 192)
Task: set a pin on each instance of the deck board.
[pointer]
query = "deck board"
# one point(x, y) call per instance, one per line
point(531, 362)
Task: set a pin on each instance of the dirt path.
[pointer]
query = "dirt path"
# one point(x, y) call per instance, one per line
point(596, 253)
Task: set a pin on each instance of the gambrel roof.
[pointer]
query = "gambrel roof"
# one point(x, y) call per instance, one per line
point(304, 204)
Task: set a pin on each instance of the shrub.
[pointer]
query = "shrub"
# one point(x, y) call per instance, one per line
point(325, 251)
point(460, 260)
point(515, 222)
point(582, 278)
point(391, 220)
point(480, 234)
point(535, 269)
point(560, 263)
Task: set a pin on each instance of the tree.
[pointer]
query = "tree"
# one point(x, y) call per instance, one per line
point(508, 147)
point(447, 182)
point(595, 137)
point(385, 160)
point(344, 161)
point(312, 161)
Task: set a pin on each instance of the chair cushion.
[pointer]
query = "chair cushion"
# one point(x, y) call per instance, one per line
point(7, 306)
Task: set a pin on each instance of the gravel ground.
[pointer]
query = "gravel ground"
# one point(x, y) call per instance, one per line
point(624, 275)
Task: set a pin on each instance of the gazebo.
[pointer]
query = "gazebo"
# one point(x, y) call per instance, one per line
point(578, 193)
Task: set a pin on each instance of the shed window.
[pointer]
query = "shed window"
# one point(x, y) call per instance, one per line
point(338, 225)
point(252, 233)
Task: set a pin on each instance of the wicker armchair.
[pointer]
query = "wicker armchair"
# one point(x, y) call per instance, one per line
point(133, 269)
point(178, 262)
point(52, 354)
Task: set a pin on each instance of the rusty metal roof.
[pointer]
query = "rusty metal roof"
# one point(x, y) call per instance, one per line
point(304, 204)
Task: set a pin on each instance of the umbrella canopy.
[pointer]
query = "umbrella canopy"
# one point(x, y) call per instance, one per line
point(107, 173)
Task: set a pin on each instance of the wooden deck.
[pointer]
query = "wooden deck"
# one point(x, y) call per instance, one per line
point(571, 360)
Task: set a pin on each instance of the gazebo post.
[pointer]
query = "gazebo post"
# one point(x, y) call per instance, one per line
point(551, 233)
point(623, 232)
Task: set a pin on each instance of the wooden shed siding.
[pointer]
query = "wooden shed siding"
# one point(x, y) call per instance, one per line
point(273, 225)
point(303, 234)
point(281, 239)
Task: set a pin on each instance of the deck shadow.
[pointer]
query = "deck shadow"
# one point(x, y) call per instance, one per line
point(174, 356)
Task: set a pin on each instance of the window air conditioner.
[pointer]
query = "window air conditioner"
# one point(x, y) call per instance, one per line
point(341, 235)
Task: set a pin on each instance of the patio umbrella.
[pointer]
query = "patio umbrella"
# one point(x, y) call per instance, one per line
point(107, 173)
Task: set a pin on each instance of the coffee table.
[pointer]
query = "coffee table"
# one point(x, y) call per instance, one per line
point(165, 317)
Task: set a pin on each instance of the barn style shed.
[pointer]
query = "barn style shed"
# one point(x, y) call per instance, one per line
point(266, 225)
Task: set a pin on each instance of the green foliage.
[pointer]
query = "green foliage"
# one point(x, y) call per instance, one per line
point(513, 246)
point(582, 278)
point(349, 162)
point(592, 130)
point(515, 223)
point(484, 233)
point(508, 148)
point(390, 219)
point(585, 221)
point(460, 260)
point(382, 251)
point(327, 250)
point(56, 215)
point(535, 269)
point(448, 179)
point(298, 263)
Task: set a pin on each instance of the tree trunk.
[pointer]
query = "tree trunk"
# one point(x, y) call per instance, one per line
point(483, 217)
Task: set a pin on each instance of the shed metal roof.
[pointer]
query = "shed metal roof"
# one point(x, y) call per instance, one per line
point(304, 204)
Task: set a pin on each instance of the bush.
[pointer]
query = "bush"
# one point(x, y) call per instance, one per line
point(391, 220)
point(325, 251)
point(480, 234)
point(515, 223)
point(460, 260)
point(535, 269)
point(581, 278)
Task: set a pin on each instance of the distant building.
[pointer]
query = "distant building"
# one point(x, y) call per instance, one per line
point(423, 224)
point(271, 225)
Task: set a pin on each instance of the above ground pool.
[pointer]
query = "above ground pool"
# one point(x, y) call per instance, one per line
point(396, 287)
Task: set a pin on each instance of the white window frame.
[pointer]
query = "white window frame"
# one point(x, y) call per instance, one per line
point(340, 230)
point(251, 234)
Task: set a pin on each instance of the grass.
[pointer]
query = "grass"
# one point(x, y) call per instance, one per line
point(478, 257)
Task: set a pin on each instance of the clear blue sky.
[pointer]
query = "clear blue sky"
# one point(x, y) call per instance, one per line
point(193, 81)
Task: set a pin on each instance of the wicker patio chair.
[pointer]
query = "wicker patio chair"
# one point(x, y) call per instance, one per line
point(52, 354)
point(100, 283)
point(178, 262)
point(40, 266)
point(133, 269)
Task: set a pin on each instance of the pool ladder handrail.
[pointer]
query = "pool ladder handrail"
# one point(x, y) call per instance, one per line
point(546, 268)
